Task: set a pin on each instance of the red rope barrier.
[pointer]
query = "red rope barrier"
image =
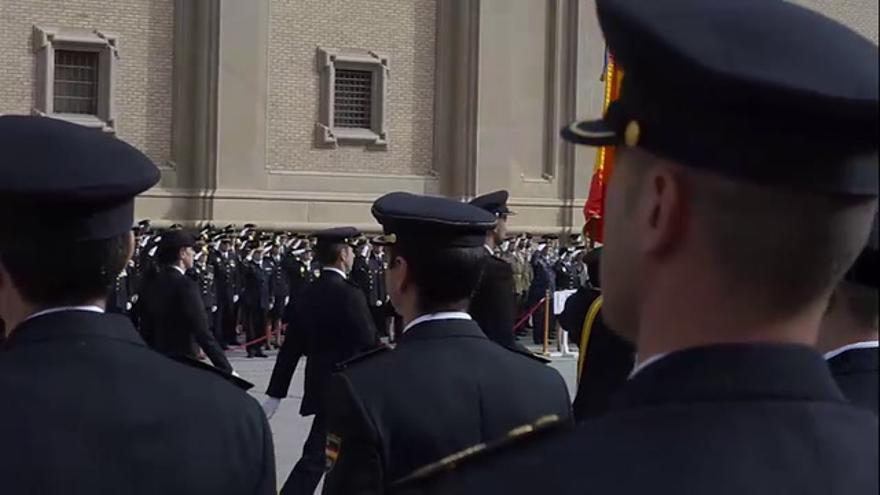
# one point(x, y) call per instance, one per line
point(256, 341)
point(529, 313)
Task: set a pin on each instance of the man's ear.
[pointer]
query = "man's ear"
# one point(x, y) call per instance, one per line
point(663, 209)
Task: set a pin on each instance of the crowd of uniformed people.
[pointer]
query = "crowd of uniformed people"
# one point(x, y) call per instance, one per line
point(727, 329)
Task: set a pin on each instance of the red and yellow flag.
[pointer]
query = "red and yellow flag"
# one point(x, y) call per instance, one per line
point(594, 209)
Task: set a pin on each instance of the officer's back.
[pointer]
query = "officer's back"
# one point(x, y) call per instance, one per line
point(445, 386)
point(88, 408)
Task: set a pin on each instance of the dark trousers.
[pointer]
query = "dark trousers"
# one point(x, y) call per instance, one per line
point(380, 319)
point(226, 312)
point(309, 469)
point(255, 327)
point(538, 321)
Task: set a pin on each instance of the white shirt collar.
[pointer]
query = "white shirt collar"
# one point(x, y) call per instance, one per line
point(336, 270)
point(443, 315)
point(90, 309)
point(489, 248)
point(868, 344)
point(181, 270)
point(648, 362)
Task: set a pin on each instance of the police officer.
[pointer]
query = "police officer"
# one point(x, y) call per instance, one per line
point(451, 384)
point(744, 186)
point(544, 281)
point(172, 308)
point(208, 289)
point(88, 408)
point(369, 274)
point(493, 306)
point(280, 291)
point(329, 324)
point(257, 299)
point(848, 335)
point(227, 285)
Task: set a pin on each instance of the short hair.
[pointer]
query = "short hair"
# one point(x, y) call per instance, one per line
point(65, 272)
point(328, 253)
point(781, 248)
point(443, 276)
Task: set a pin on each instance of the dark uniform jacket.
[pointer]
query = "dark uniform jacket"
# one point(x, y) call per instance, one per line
point(609, 359)
point(173, 314)
point(226, 277)
point(207, 286)
point(329, 323)
point(567, 277)
point(88, 409)
point(444, 388)
point(369, 274)
point(298, 275)
point(493, 305)
point(856, 373)
point(119, 297)
point(544, 277)
point(280, 281)
point(720, 420)
point(257, 285)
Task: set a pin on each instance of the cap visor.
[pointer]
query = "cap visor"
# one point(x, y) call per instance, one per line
point(590, 133)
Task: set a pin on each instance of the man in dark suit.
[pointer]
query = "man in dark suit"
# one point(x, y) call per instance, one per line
point(848, 336)
point(543, 281)
point(494, 306)
point(280, 292)
point(227, 288)
point(369, 274)
point(745, 183)
point(257, 299)
point(451, 385)
point(88, 408)
point(172, 309)
point(329, 324)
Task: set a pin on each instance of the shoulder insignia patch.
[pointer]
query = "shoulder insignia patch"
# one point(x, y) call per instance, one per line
point(331, 450)
point(513, 438)
point(380, 349)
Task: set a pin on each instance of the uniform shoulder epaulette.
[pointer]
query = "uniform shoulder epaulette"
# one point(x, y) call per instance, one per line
point(229, 377)
point(515, 437)
point(362, 357)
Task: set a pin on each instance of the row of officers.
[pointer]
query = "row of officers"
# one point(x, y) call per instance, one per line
point(247, 284)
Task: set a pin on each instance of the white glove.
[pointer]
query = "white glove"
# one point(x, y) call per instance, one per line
point(271, 305)
point(213, 309)
point(128, 306)
point(287, 300)
point(270, 406)
point(235, 374)
point(235, 298)
point(134, 299)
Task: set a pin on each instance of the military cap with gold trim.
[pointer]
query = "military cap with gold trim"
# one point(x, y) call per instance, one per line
point(338, 235)
point(429, 220)
point(763, 91)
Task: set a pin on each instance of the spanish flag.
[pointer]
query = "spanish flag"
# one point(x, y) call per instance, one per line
point(594, 209)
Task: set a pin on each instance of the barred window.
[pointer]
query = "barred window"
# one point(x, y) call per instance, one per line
point(353, 99)
point(76, 82)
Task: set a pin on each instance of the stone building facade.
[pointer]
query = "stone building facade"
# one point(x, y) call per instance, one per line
point(297, 114)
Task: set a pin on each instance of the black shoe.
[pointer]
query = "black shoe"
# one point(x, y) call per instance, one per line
point(250, 356)
point(260, 354)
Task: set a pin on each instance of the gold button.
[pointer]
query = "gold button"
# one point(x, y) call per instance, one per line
point(632, 134)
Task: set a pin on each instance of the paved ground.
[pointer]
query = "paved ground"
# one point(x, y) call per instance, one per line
point(289, 428)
